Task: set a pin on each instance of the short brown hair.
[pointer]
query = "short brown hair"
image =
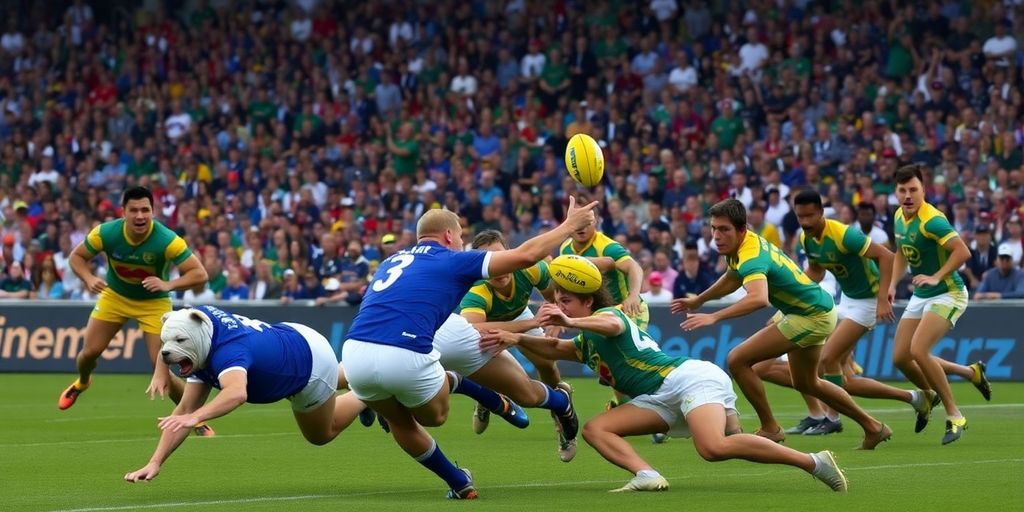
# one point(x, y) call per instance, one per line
point(909, 172)
point(731, 209)
point(488, 237)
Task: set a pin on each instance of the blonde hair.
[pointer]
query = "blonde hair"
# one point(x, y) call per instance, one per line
point(436, 222)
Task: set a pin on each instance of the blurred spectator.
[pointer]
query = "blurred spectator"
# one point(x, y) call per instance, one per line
point(983, 256)
point(47, 285)
point(236, 289)
point(755, 216)
point(656, 293)
point(14, 285)
point(662, 264)
point(866, 223)
point(694, 278)
point(1005, 281)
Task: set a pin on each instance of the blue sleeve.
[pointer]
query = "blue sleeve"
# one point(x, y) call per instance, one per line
point(1018, 288)
point(470, 266)
point(230, 355)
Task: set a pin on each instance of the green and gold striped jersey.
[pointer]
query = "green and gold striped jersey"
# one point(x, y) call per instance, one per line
point(616, 281)
point(484, 299)
point(841, 250)
point(129, 264)
point(789, 289)
point(921, 241)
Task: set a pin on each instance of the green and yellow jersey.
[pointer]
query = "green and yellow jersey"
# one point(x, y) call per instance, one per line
point(484, 299)
point(789, 289)
point(631, 362)
point(129, 264)
point(921, 241)
point(841, 250)
point(616, 281)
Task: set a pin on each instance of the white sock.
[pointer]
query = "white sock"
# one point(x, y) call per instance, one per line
point(833, 418)
point(648, 473)
point(817, 463)
point(916, 396)
point(818, 417)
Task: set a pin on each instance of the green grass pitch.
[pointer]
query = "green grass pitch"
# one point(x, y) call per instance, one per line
point(74, 460)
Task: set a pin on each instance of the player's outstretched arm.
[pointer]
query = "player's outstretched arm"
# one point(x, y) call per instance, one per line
point(728, 283)
point(539, 247)
point(551, 348)
point(755, 299)
point(192, 398)
point(232, 395)
point(635, 276)
point(480, 322)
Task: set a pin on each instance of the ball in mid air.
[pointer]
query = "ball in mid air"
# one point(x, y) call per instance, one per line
point(584, 160)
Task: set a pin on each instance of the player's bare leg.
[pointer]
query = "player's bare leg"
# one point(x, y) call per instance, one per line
point(414, 439)
point(901, 356)
point(321, 425)
point(765, 345)
point(98, 334)
point(606, 434)
point(803, 364)
point(930, 330)
point(776, 371)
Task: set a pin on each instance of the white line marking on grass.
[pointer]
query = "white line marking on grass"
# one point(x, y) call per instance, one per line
point(525, 485)
point(234, 414)
point(135, 439)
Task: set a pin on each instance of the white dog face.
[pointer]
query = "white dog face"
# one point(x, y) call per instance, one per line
point(187, 335)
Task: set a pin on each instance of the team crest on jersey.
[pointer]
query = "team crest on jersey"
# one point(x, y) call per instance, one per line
point(149, 258)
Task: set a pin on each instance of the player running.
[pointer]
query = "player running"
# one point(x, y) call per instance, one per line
point(686, 397)
point(863, 270)
point(140, 252)
point(806, 317)
point(248, 361)
point(390, 361)
point(933, 250)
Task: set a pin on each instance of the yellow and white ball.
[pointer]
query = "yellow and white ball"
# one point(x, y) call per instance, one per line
point(575, 273)
point(584, 160)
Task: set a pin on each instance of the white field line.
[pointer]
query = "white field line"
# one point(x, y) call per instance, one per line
point(525, 485)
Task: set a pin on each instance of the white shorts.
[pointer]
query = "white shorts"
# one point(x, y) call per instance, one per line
point(528, 315)
point(861, 311)
point(458, 342)
point(323, 379)
point(378, 372)
point(693, 384)
point(949, 305)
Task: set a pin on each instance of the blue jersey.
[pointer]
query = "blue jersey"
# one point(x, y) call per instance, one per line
point(413, 292)
point(276, 357)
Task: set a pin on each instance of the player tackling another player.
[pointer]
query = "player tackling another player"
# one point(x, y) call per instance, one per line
point(390, 361)
point(685, 397)
point(140, 252)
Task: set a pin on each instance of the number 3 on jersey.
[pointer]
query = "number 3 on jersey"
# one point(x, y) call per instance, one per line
point(401, 261)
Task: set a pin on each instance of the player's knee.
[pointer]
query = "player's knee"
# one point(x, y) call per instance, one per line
point(737, 362)
point(318, 438)
point(432, 418)
point(592, 432)
point(902, 359)
point(920, 352)
point(806, 385)
point(714, 451)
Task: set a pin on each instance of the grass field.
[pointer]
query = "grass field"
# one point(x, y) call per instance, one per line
point(74, 460)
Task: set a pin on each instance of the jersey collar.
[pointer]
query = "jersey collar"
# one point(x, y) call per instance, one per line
point(128, 238)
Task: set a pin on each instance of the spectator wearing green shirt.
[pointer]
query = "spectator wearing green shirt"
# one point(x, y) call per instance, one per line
point(727, 127)
point(554, 80)
point(405, 151)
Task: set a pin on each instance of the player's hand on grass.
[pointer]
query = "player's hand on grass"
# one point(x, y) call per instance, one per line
point(631, 306)
point(159, 385)
point(684, 304)
point(923, 280)
point(178, 422)
point(155, 284)
point(697, 320)
point(579, 217)
point(147, 473)
point(95, 285)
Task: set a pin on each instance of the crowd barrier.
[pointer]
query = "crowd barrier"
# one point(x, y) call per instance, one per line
point(40, 336)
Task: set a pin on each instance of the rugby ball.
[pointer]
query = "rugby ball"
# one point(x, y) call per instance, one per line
point(584, 160)
point(575, 273)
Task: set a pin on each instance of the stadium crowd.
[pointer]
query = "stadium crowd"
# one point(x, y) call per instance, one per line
point(293, 145)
